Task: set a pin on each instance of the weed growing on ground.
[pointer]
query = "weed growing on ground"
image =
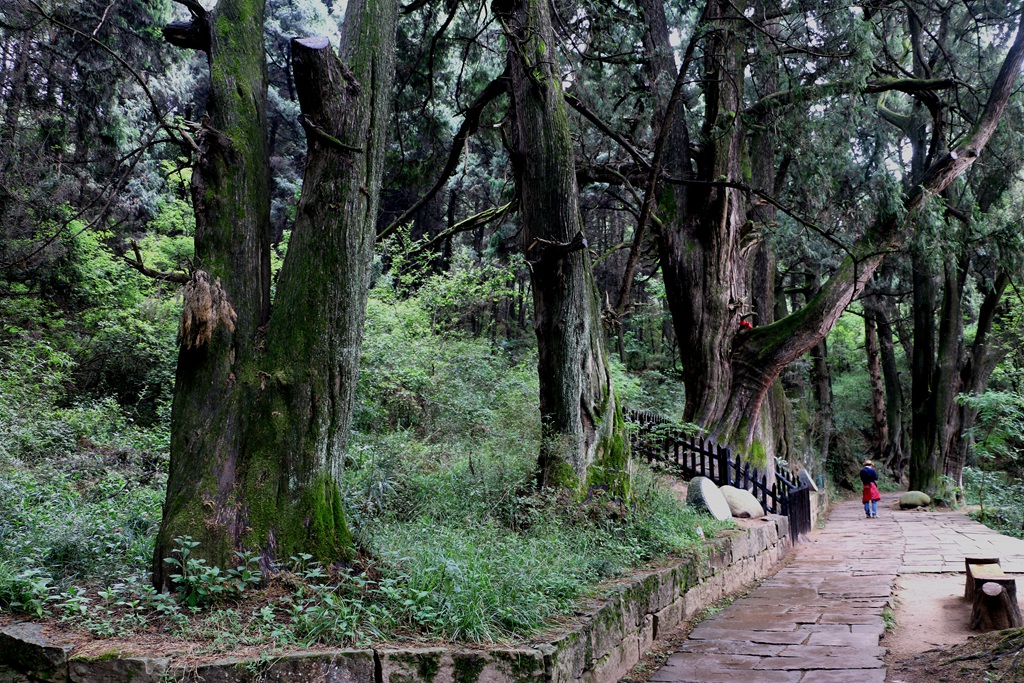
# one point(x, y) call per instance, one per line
point(1000, 497)
point(889, 619)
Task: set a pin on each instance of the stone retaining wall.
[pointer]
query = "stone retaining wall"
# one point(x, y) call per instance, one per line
point(599, 647)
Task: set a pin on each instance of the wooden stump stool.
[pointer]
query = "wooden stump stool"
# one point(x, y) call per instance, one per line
point(978, 572)
point(995, 606)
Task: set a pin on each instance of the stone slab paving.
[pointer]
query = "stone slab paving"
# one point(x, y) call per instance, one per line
point(937, 542)
point(819, 619)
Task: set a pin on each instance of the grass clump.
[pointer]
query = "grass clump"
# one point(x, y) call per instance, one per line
point(493, 559)
point(1000, 498)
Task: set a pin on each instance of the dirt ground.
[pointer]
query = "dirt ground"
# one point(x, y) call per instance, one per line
point(932, 644)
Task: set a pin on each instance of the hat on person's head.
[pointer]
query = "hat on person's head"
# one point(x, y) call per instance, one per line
point(868, 463)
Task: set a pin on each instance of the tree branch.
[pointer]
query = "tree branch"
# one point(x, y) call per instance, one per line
point(469, 126)
point(651, 186)
point(319, 133)
point(191, 35)
point(137, 264)
point(769, 348)
point(471, 223)
point(589, 115)
point(911, 86)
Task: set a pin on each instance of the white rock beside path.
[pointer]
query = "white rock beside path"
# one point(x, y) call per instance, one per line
point(704, 495)
point(742, 503)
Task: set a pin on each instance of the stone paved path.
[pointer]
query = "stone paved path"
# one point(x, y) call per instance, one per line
point(819, 619)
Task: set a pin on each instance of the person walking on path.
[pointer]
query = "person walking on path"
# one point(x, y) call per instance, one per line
point(871, 496)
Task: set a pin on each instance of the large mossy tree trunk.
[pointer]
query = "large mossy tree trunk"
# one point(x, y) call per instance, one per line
point(583, 434)
point(227, 302)
point(262, 406)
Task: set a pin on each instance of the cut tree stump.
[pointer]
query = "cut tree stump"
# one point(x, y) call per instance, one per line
point(979, 570)
point(995, 606)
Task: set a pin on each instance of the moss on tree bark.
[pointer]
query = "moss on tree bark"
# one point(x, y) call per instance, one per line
point(583, 436)
point(262, 412)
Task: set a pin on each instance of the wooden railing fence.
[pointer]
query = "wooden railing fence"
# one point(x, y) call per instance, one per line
point(670, 448)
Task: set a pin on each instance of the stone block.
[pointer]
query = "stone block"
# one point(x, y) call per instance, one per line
point(738, 576)
point(419, 665)
point(696, 599)
point(670, 587)
point(9, 675)
point(739, 543)
point(719, 554)
point(702, 494)
point(781, 526)
point(615, 663)
point(715, 587)
point(440, 665)
point(523, 665)
point(646, 634)
point(607, 627)
point(742, 503)
point(338, 666)
point(134, 669)
point(567, 656)
point(636, 601)
point(24, 648)
point(914, 499)
point(669, 618)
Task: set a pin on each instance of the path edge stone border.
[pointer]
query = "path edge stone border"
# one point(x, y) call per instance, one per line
point(600, 646)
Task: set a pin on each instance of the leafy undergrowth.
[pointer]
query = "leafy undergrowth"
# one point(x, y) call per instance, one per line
point(454, 541)
point(1000, 500)
point(996, 657)
point(482, 558)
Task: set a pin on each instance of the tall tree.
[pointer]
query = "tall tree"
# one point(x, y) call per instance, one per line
point(263, 399)
point(583, 434)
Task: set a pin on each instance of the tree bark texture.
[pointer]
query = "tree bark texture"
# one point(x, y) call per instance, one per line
point(880, 424)
point(924, 464)
point(230, 193)
point(262, 407)
point(702, 251)
point(821, 385)
point(583, 439)
point(994, 607)
point(894, 455)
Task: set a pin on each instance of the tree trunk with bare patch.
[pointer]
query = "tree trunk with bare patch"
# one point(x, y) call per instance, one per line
point(263, 401)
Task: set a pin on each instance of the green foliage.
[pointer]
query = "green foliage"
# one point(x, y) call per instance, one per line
point(1000, 499)
point(994, 484)
point(200, 585)
point(438, 485)
point(72, 526)
point(654, 389)
point(999, 425)
point(445, 385)
point(502, 560)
